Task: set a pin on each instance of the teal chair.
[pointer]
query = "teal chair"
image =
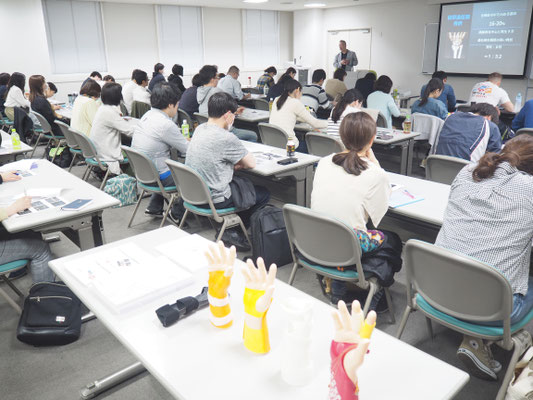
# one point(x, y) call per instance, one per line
point(195, 192)
point(91, 157)
point(5, 122)
point(148, 180)
point(321, 243)
point(47, 133)
point(6, 269)
point(451, 289)
point(72, 144)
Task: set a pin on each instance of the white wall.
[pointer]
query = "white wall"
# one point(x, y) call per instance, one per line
point(397, 41)
point(129, 45)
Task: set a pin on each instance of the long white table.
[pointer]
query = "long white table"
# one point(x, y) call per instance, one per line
point(84, 227)
point(7, 152)
point(301, 171)
point(194, 360)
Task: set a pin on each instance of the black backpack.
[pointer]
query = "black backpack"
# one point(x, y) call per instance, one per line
point(51, 316)
point(269, 236)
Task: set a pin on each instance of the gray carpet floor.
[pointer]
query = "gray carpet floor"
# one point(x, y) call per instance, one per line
point(57, 373)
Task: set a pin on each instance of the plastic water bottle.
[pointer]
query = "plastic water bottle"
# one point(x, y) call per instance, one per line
point(185, 129)
point(15, 139)
point(265, 90)
point(518, 103)
point(407, 124)
point(249, 81)
point(291, 148)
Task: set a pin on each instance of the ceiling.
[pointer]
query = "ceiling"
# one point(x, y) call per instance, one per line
point(282, 5)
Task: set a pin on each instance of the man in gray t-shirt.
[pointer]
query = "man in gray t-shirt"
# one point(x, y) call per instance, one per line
point(214, 152)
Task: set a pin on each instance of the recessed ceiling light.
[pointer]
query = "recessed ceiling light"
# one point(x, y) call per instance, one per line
point(315, 5)
point(255, 1)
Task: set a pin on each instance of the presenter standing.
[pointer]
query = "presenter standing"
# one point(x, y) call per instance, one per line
point(346, 59)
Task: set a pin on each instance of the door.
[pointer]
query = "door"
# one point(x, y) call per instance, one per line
point(358, 40)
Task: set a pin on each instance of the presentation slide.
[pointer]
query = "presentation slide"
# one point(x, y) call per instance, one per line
point(484, 37)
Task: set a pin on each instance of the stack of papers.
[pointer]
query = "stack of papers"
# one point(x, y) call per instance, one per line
point(187, 252)
point(402, 197)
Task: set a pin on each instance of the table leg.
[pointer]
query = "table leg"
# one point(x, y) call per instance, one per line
point(410, 155)
point(405, 154)
point(309, 175)
point(300, 176)
point(94, 388)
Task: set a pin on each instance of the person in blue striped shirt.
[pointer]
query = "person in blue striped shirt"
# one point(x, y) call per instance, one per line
point(315, 97)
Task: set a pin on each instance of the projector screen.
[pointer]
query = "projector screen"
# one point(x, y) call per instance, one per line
point(484, 37)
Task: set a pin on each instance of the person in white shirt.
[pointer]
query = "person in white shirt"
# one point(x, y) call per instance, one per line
point(127, 90)
point(490, 92)
point(231, 85)
point(288, 109)
point(15, 94)
point(140, 92)
point(109, 125)
point(352, 187)
point(85, 107)
point(351, 102)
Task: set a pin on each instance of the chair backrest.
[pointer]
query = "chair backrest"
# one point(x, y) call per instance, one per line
point(123, 109)
point(69, 136)
point(192, 188)
point(527, 131)
point(138, 109)
point(372, 112)
point(429, 126)
point(322, 239)
point(201, 118)
point(261, 104)
point(86, 145)
point(144, 168)
point(443, 169)
point(463, 107)
point(457, 285)
point(184, 115)
point(43, 122)
point(320, 144)
point(273, 135)
point(381, 121)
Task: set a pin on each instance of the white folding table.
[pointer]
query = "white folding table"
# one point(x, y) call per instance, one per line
point(194, 360)
point(7, 152)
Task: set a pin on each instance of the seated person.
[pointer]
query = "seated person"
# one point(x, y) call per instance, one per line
point(140, 92)
point(366, 85)
point(288, 109)
point(490, 92)
point(15, 95)
point(215, 153)
point(158, 76)
point(277, 89)
point(230, 84)
point(489, 217)
point(40, 104)
point(4, 80)
point(109, 78)
point(175, 78)
point(209, 79)
point(85, 107)
point(469, 135)
point(108, 126)
point(24, 245)
point(429, 103)
point(127, 91)
point(524, 119)
point(448, 95)
point(95, 76)
point(157, 135)
point(188, 102)
point(351, 102)
point(352, 187)
point(267, 79)
point(51, 92)
point(382, 101)
point(315, 97)
point(335, 88)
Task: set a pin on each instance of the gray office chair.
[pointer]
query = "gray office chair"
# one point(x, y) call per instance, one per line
point(261, 104)
point(463, 107)
point(272, 135)
point(381, 121)
point(527, 131)
point(429, 127)
point(123, 109)
point(184, 116)
point(72, 144)
point(5, 270)
point(451, 289)
point(91, 157)
point(322, 244)
point(201, 118)
point(320, 144)
point(46, 133)
point(443, 169)
point(149, 181)
point(195, 193)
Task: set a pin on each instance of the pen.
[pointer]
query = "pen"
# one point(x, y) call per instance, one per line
point(409, 194)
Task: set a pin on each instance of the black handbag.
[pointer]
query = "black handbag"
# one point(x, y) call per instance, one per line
point(51, 315)
point(242, 193)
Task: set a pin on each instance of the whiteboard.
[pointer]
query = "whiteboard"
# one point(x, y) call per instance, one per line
point(431, 36)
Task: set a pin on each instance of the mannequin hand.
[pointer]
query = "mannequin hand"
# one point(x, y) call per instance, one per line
point(220, 263)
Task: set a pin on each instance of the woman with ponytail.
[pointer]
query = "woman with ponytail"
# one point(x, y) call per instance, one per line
point(428, 103)
point(352, 187)
point(288, 108)
point(489, 217)
point(351, 102)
